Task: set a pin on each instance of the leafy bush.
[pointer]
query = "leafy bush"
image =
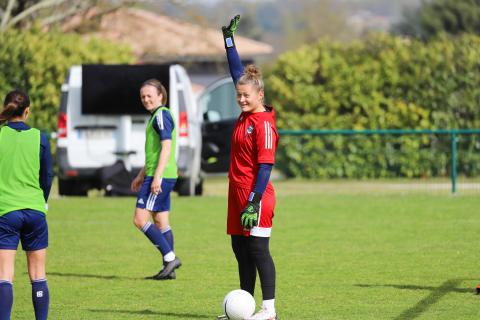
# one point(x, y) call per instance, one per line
point(38, 62)
point(383, 82)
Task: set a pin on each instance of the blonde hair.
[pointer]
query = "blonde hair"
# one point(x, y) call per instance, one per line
point(252, 75)
point(160, 88)
point(15, 103)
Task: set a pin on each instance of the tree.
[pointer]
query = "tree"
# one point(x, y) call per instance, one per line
point(22, 14)
point(437, 16)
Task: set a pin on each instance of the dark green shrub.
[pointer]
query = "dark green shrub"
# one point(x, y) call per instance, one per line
point(38, 62)
point(384, 82)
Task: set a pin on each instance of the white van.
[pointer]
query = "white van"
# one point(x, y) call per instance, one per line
point(101, 128)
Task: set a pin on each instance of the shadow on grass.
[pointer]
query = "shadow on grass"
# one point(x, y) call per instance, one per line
point(155, 313)
point(436, 293)
point(91, 276)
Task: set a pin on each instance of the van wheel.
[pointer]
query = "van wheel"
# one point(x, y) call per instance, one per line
point(71, 188)
point(183, 187)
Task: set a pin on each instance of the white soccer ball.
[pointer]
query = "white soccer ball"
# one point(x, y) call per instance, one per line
point(238, 305)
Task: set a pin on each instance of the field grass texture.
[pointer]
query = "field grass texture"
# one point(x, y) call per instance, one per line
point(341, 252)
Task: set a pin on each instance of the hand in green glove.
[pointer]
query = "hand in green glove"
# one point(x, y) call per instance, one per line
point(229, 31)
point(249, 215)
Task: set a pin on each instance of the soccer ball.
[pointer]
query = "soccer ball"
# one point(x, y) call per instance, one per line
point(238, 305)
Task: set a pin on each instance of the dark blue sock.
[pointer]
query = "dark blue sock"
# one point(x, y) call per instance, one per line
point(40, 299)
point(157, 238)
point(6, 299)
point(168, 234)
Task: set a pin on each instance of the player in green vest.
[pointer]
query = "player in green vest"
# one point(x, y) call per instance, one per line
point(25, 182)
point(156, 179)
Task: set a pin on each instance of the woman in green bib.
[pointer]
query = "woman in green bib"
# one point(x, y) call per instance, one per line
point(157, 178)
point(25, 181)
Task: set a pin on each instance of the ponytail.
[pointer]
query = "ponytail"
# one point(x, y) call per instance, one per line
point(7, 112)
point(15, 103)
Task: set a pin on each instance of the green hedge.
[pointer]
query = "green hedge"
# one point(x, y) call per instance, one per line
point(38, 62)
point(383, 82)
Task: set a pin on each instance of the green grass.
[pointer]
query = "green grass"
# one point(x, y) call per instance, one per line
point(340, 253)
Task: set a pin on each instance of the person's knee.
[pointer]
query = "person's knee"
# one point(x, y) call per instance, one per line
point(140, 218)
point(139, 222)
point(8, 277)
point(161, 219)
point(37, 274)
point(36, 264)
point(136, 222)
point(7, 264)
point(6, 273)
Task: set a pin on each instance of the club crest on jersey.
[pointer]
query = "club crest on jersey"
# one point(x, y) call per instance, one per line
point(250, 129)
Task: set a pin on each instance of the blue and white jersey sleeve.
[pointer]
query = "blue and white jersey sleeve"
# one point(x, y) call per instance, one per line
point(164, 125)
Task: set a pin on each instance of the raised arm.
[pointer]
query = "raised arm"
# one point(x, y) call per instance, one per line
point(234, 63)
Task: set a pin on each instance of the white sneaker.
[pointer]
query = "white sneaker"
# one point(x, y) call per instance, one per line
point(263, 314)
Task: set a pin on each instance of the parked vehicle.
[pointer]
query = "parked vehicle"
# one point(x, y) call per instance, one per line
point(101, 127)
point(220, 112)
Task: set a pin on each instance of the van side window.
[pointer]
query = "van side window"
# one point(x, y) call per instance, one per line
point(219, 103)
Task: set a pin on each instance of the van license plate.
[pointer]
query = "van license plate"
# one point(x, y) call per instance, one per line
point(95, 134)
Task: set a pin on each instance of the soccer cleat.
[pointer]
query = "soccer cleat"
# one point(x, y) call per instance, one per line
point(263, 314)
point(168, 268)
point(477, 289)
point(156, 276)
point(171, 276)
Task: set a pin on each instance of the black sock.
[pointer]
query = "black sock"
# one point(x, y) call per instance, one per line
point(258, 248)
point(246, 265)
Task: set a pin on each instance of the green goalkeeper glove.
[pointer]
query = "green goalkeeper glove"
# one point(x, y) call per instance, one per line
point(229, 31)
point(249, 215)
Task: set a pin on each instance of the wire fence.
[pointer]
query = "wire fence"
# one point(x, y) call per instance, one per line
point(437, 159)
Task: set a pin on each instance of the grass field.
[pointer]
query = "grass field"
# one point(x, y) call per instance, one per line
point(341, 251)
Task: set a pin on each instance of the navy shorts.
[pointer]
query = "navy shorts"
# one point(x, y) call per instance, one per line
point(29, 226)
point(155, 202)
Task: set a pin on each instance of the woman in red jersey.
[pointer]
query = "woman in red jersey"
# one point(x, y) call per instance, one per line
point(251, 197)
